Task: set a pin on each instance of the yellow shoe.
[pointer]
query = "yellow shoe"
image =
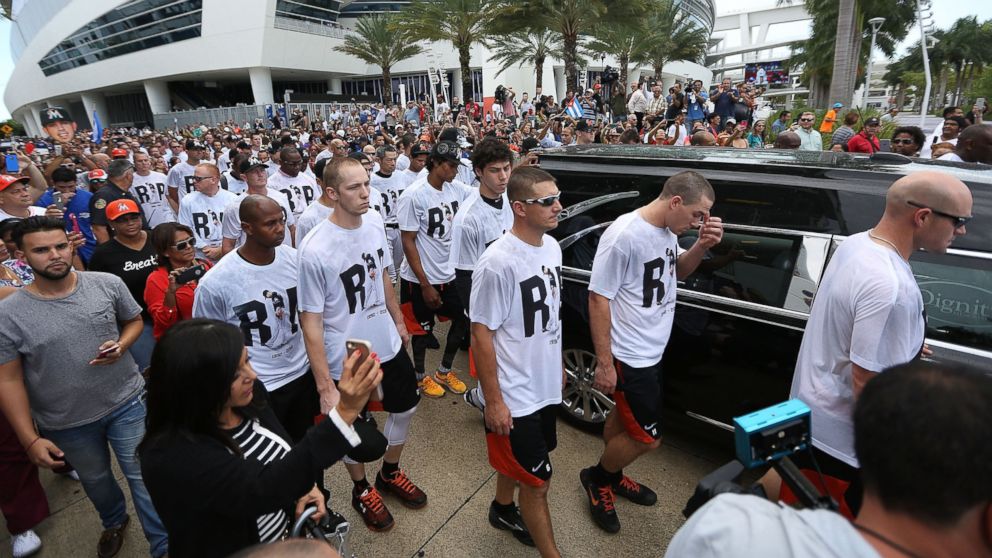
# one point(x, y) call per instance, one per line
point(430, 388)
point(451, 382)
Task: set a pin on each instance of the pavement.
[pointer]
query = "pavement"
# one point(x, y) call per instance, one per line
point(446, 457)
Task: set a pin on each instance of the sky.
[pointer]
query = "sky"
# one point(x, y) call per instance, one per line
point(946, 12)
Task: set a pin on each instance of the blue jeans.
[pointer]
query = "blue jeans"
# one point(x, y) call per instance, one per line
point(86, 448)
point(141, 351)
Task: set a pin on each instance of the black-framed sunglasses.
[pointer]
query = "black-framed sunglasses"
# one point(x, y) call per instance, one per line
point(958, 221)
point(546, 201)
point(906, 141)
point(184, 244)
point(201, 178)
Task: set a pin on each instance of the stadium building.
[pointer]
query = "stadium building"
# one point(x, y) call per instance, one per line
point(136, 61)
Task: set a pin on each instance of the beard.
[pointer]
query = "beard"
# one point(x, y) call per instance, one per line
point(50, 275)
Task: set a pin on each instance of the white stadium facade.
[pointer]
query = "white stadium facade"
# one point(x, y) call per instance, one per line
point(130, 60)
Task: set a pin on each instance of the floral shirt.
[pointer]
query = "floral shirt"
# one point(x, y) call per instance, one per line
point(24, 274)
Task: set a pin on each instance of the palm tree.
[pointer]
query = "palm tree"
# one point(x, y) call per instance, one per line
point(525, 48)
point(845, 60)
point(622, 42)
point(374, 42)
point(670, 35)
point(570, 19)
point(460, 22)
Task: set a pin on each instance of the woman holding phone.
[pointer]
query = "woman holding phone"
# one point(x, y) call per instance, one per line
point(217, 464)
point(169, 289)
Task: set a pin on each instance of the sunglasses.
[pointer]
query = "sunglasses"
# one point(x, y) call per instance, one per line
point(903, 141)
point(201, 178)
point(805, 119)
point(184, 244)
point(546, 201)
point(958, 221)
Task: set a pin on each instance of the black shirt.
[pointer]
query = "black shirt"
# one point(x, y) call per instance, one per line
point(103, 197)
point(132, 266)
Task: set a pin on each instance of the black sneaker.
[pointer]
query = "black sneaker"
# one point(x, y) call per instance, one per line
point(510, 521)
point(368, 503)
point(472, 398)
point(635, 492)
point(601, 501)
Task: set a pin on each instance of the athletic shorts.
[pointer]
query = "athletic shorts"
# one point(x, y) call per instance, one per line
point(400, 391)
point(638, 400)
point(524, 454)
point(418, 317)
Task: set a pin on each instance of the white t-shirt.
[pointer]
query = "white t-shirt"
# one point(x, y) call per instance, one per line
point(951, 156)
point(634, 269)
point(516, 292)
point(205, 215)
point(232, 218)
point(683, 134)
point(402, 162)
point(429, 212)
point(261, 301)
point(341, 277)
point(390, 189)
point(235, 185)
point(477, 225)
point(745, 526)
point(868, 311)
point(311, 217)
point(410, 177)
point(224, 162)
point(181, 178)
point(151, 192)
point(32, 211)
point(300, 190)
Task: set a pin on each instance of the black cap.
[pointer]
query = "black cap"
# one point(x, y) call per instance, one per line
point(54, 114)
point(449, 134)
point(251, 163)
point(193, 144)
point(420, 148)
point(448, 151)
point(872, 121)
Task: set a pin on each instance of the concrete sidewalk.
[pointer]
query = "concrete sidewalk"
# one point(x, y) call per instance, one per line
point(446, 457)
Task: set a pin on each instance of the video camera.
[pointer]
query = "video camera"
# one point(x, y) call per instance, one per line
point(765, 437)
point(609, 75)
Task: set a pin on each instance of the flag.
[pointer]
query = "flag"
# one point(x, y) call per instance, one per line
point(574, 110)
point(97, 129)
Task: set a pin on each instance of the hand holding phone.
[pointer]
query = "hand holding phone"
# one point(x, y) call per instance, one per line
point(364, 349)
point(13, 166)
point(59, 202)
point(190, 274)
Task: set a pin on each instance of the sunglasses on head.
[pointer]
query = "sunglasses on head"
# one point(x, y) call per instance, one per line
point(184, 244)
point(546, 201)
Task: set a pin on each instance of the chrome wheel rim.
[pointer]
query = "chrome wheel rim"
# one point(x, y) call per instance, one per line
point(579, 398)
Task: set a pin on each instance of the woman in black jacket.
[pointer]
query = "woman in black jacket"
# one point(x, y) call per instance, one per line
point(214, 458)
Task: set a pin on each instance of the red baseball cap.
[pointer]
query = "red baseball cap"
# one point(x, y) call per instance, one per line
point(97, 175)
point(121, 207)
point(6, 180)
point(118, 153)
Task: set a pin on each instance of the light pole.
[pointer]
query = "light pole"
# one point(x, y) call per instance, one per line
point(926, 58)
point(876, 24)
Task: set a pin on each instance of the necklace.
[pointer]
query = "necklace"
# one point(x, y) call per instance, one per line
point(880, 239)
point(886, 540)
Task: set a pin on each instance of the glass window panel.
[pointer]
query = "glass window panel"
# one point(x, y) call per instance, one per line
point(957, 296)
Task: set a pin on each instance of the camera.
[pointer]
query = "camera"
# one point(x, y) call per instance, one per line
point(765, 437)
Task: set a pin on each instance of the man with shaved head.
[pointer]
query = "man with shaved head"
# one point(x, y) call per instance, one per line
point(702, 139)
point(974, 146)
point(868, 314)
point(787, 140)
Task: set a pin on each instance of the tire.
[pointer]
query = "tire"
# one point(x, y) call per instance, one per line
point(581, 404)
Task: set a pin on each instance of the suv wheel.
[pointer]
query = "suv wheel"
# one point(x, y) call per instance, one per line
point(580, 402)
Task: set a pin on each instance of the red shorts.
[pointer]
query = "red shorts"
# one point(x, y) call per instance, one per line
point(524, 455)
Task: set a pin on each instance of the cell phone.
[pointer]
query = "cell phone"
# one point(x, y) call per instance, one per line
point(75, 222)
point(190, 274)
point(58, 150)
point(13, 166)
point(360, 345)
point(106, 352)
point(59, 203)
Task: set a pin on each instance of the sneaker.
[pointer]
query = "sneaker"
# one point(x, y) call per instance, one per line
point(450, 381)
point(112, 540)
point(511, 522)
point(430, 388)
point(72, 475)
point(369, 505)
point(472, 398)
point(26, 543)
point(601, 502)
point(400, 486)
point(635, 492)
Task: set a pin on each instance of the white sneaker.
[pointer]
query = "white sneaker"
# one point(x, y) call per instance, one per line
point(26, 544)
point(72, 475)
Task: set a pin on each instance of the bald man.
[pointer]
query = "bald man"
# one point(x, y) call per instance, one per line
point(974, 146)
point(702, 139)
point(788, 140)
point(868, 314)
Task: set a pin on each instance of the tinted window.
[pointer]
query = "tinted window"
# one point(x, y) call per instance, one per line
point(957, 294)
point(777, 207)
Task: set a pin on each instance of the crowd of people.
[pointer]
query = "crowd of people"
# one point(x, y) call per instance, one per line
point(252, 279)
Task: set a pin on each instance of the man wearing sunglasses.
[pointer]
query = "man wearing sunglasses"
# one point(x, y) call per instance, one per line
point(810, 139)
point(868, 315)
point(203, 211)
point(631, 307)
point(299, 187)
point(516, 340)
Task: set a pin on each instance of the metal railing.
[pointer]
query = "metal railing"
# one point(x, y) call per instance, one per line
point(290, 24)
point(212, 116)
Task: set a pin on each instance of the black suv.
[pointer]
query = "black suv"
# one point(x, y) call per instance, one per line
point(740, 318)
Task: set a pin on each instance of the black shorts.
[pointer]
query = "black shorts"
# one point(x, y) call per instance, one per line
point(400, 392)
point(524, 455)
point(830, 466)
point(418, 317)
point(638, 401)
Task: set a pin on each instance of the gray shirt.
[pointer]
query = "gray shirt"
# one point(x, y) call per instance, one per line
point(57, 338)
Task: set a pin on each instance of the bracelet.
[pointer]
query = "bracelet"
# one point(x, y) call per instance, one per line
point(31, 444)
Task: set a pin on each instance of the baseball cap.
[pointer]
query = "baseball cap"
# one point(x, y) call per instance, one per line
point(589, 90)
point(193, 144)
point(838, 105)
point(339, 133)
point(597, 86)
point(447, 150)
point(54, 114)
point(118, 152)
point(872, 121)
point(117, 208)
point(420, 149)
point(6, 180)
point(97, 175)
point(251, 163)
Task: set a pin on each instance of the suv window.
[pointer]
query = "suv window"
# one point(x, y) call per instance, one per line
point(957, 296)
point(749, 266)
